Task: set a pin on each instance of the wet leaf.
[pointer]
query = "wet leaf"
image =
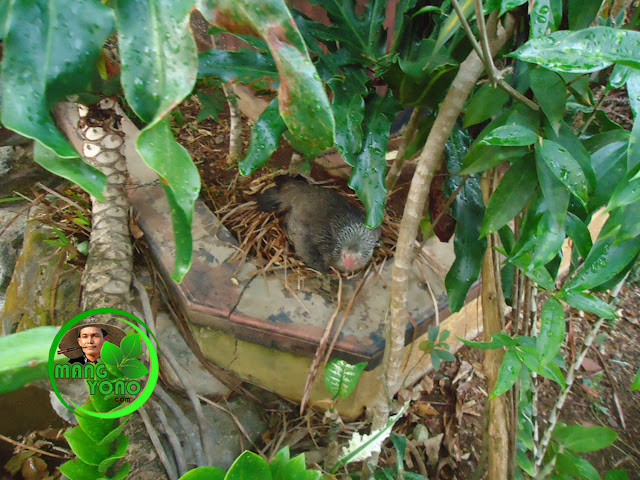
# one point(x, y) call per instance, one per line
point(348, 110)
point(508, 373)
point(545, 15)
point(582, 14)
point(608, 156)
point(484, 157)
point(556, 197)
point(265, 137)
point(582, 51)
point(564, 167)
point(579, 234)
point(552, 329)
point(510, 136)
point(551, 94)
point(181, 182)
point(511, 195)
point(158, 70)
point(341, 378)
point(588, 303)
point(256, 69)
point(484, 104)
point(46, 50)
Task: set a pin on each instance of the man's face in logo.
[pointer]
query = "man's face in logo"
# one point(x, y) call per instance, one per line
point(91, 340)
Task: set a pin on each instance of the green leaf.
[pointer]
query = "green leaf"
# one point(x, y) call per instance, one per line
point(367, 176)
point(24, 357)
point(278, 464)
point(582, 14)
point(635, 385)
point(633, 91)
point(624, 194)
point(303, 102)
point(553, 372)
point(529, 356)
point(484, 157)
point(131, 346)
point(95, 428)
point(111, 354)
point(574, 466)
point(452, 24)
point(556, 197)
point(256, 69)
point(510, 136)
point(48, 50)
point(92, 180)
point(579, 234)
point(445, 355)
point(211, 106)
point(565, 168)
point(552, 329)
point(264, 140)
point(348, 110)
point(604, 261)
point(341, 378)
point(544, 17)
point(608, 156)
point(629, 226)
point(204, 473)
point(249, 466)
point(133, 368)
point(588, 303)
point(120, 451)
point(617, 474)
point(498, 340)
point(511, 196)
point(158, 71)
point(484, 104)
point(76, 469)
point(584, 439)
point(508, 373)
point(181, 182)
point(87, 450)
point(551, 94)
point(582, 51)
point(469, 248)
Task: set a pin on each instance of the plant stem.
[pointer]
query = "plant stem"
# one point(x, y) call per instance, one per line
point(396, 168)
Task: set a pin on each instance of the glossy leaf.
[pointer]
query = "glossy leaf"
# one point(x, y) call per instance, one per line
point(574, 466)
point(131, 346)
point(588, 303)
point(249, 466)
point(348, 110)
point(79, 470)
point(256, 69)
point(583, 13)
point(87, 450)
point(469, 248)
point(550, 239)
point(265, 137)
point(511, 195)
point(604, 261)
point(498, 340)
point(582, 51)
point(181, 182)
point(579, 234)
point(552, 329)
point(584, 439)
point(510, 136)
point(508, 373)
point(567, 138)
point(608, 155)
point(204, 473)
point(484, 104)
point(564, 167)
point(617, 474)
point(633, 91)
point(302, 100)
point(46, 50)
point(158, 70)
point(624, 194)
point(96, 429)
point(484, 157)
point(122, 443)
point(556, 197)
point(629, 224)
point(133, 368)
point(341, 378)
point(111, 354)
point(368, 175)
point(545, 15)
point(24, 357)
point(553, 372)
point(452, 24)
point(551, 94)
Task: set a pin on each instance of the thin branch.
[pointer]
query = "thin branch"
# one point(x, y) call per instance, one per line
point(409, 132)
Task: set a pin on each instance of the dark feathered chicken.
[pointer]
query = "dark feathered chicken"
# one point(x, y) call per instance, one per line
point(325, 229)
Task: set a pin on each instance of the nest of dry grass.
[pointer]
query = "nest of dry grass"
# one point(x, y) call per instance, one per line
point(262, 236)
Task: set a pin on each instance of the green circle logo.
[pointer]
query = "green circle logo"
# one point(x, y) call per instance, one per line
point(118, 368)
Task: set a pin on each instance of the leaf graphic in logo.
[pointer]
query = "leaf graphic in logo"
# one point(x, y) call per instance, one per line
point(130, 346)
point(112, 356)
point(133, 368)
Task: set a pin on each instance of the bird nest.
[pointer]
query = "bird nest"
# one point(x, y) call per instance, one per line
point(261, 235)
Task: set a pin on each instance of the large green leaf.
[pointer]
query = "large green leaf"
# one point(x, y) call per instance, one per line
point(579, 234)
point(624, 194)
point(48, 51)
point(551, 94)
point(367, 177)
point(484, 104)
point(582, 51)
point(567, 138)
point(249, 466)
point(87, 450)
point(608, 155)
point(348, 110)
point(484, 157)
point(204, 473)
point(341, 378)
point(73, 168)
point(265, 137)
point(555, 195)
point(250, 67)
point(604, 262)
point(510, 136)
point(24, 357)
point(584, 439)
point(469, 248)
point(511, 195)
point(583, 13)
point(573, 466)
point(304, 105)
point(180, 180)
point(158, 69)
point(552, 328)
point(633, 92)
point(564, 167)
point(452, 24)
point(545, 15)
point(588, 303)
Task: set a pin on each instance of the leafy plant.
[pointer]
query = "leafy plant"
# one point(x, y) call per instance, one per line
point(341, 378)
point(436, 347)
